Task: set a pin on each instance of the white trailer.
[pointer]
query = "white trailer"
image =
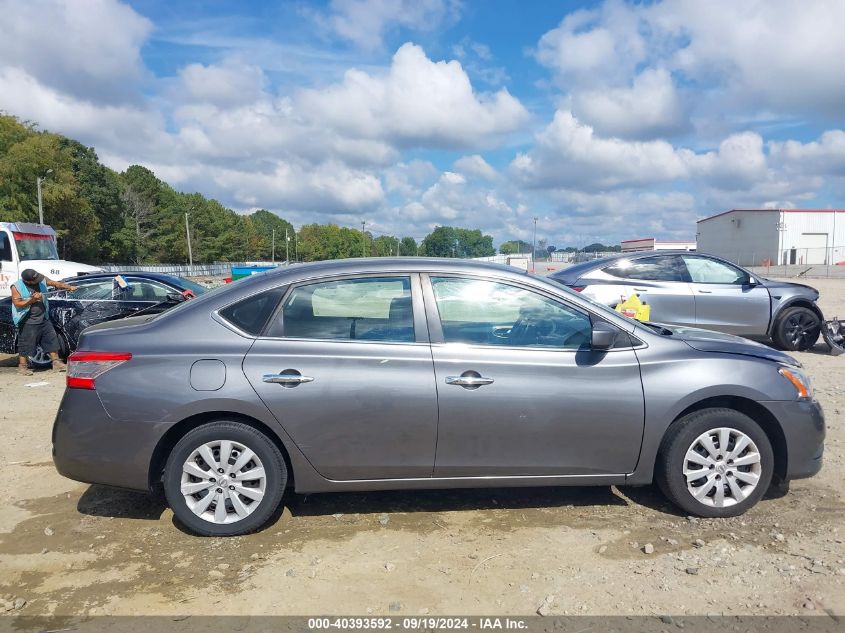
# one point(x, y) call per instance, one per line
point(24, 245)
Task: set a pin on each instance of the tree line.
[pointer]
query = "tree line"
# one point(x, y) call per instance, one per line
point(133, 217)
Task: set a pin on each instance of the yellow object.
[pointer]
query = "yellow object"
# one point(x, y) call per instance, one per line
point(634, 308)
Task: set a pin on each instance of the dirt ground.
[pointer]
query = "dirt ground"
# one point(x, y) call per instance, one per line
point(69, 549)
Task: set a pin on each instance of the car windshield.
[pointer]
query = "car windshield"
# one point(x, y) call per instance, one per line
point(32, 247)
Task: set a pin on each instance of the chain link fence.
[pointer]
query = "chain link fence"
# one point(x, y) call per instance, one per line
point(793, 262)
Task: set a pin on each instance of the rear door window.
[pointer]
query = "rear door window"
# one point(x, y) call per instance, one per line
point(368, 309)
point(5, 247)
point(658, 268)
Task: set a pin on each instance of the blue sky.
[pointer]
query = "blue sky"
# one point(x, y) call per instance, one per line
point(606, 120)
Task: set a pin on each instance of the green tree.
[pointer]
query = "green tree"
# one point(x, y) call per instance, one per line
point(408, 246)
point(513, 247)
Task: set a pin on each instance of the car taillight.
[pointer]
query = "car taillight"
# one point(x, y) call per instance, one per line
point(85, 367)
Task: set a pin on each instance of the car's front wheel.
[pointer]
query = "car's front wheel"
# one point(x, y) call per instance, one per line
point(224, 479)
point(797, 329)
point(715, 463)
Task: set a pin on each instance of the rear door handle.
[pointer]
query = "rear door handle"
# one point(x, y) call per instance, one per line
point(706, 292)
point(641, 289)
point(468, 381)
point(286, 379)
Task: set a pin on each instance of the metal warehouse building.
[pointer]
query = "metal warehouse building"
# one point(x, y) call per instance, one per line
point(651, 244)
point(763, 237)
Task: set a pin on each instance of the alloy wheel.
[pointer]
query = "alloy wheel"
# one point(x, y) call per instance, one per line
point(223, 481)
point(722, 467)
point(800, 328)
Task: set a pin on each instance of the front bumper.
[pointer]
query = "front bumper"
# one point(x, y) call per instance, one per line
point(91, 447)
point(803, 428)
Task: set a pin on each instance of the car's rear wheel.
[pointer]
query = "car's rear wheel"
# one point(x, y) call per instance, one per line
point(715, 463)
point(40, 359)
point(224, 478)
point(797, 329)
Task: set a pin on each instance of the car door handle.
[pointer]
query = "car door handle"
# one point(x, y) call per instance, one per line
point(286, 379)
point(468, 381)
point(706, 292)
point(641, 289)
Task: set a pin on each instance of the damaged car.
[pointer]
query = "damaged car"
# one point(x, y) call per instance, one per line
point(99, 298)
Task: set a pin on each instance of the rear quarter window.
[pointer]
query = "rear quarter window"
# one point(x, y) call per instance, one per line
point(250, 315)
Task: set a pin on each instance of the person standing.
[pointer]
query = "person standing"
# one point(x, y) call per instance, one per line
point(30, 312)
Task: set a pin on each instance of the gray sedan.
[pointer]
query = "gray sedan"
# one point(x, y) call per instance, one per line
point(422, 373)
point(703, 291)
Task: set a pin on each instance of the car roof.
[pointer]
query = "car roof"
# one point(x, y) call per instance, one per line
point(392, 265)
point(169, 279)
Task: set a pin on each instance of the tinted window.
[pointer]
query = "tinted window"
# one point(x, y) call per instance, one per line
point(370, 309)
point(145, 290)
point(492, 313)
point(704, 270)
point(665, 268)
point(5, 247)
point(251, 314)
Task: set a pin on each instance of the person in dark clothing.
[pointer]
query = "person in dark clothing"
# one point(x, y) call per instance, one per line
point(30, 312)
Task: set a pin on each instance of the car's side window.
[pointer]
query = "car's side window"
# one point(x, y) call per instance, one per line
point(250, 315)
point(145, 290)
point(484, 312)
point(367, 308)
point(704, 270)
point(658, 268)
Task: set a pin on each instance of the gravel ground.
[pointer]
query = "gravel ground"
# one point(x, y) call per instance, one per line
point(69, 549)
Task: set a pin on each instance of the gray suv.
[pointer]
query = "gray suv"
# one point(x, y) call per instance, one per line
point(423, 373)
point(703, 291)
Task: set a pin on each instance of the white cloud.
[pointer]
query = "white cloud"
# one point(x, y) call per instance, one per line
point(649, 108)
point(418, 102)
point(824, 156)
point(90, 49)
point(475, 165)
point(227, 84)
point(365, 22)
point(569, 154)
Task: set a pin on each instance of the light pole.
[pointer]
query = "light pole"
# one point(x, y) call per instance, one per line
point(287, 247)
point(363, 240)
point(273, 248)
point(534, 247)
point(38, 182)
point(188, 237)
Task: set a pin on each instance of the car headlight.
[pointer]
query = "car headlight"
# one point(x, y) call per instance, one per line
point(799, 381)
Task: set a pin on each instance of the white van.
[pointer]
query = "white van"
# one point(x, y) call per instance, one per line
point(24, 245)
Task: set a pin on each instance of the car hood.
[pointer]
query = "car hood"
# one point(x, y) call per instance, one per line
point(709, 341)
point(773, 284)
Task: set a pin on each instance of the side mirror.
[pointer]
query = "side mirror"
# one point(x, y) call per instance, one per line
point(604, 335)
point(752, 281)
point(175, 297)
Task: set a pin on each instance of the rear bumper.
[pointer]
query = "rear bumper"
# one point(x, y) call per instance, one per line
point(91, 447)
point(803, 427)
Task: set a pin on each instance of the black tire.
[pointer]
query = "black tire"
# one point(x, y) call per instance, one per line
point(265, 450)
point(669, 470)
point(797, 329)
point(41, 359)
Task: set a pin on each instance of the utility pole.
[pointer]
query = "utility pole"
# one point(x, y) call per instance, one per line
point(534, 247)
point(273, 251)
point(38, 182)
point(363, 240)
point(295, 247)
point(287, 244)
point(188, 236)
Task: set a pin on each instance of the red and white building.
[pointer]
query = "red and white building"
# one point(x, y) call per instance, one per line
point(651, 244)
point(761, 237)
